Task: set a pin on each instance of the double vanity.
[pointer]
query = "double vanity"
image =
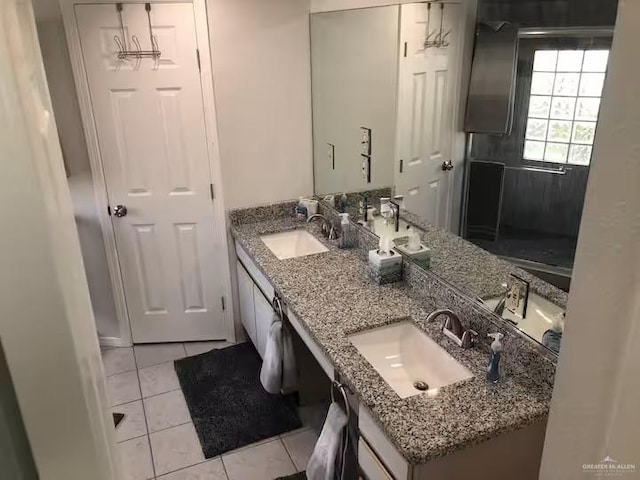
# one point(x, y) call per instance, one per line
point(424, 407)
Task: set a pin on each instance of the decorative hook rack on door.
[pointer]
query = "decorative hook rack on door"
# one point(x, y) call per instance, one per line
point(123, 53)
point(436, 38)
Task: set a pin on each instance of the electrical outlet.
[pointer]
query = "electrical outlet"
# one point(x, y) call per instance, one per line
point(331, 156)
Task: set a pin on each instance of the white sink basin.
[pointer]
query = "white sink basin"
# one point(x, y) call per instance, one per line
point(539, 317)
point(403, 355)
point(294, 243)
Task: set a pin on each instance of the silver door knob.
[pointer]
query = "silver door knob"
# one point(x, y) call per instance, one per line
point(120, 211)
point(447, 165)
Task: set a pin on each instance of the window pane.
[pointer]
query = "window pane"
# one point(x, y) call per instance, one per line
point(595, 61)
point(539, 106)
point(566, 84)
point(536, 129)
point(563, 107)
point(545, 60)
point(587, 109)
point(569, 60)
point(556, 152)
point(591, 84)
point(542, 83)
point(583, 132)
point(533, 150)
point(559, 131)
point(580, 154)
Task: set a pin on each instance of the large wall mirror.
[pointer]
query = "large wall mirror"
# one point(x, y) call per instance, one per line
point(475, 123)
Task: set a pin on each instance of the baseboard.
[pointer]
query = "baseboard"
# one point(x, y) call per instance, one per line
point(113, 342)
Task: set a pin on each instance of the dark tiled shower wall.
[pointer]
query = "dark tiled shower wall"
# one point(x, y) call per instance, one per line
point(549, 13)
point(540, 202)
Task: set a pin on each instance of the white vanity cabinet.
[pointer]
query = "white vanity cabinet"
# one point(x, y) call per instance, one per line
point(256, 313)
point(245, 297)
point(254, 295)
point(264, 317)
point(379, 459)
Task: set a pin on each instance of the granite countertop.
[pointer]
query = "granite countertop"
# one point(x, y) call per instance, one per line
point(332, 297)
point(473, 270)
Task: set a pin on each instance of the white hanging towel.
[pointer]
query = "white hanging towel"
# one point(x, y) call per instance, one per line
point(271, 372)
point(322, 463)
point(278, 366)
point(289, 371)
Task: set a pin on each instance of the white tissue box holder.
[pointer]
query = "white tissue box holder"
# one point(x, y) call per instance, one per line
point(421, 256)
point(385, 268)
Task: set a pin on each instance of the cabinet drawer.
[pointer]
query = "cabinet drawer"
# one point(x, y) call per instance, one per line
point(369, 463)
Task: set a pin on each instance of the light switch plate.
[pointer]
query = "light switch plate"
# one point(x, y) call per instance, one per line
point(365, 141)
point(366, 168)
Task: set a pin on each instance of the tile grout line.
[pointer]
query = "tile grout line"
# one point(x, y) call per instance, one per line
point(144, 414)
point(196, 464)
point(295, 467)
point(119, 373)
point(224, 467)
point(163, 393)
point(156, 431)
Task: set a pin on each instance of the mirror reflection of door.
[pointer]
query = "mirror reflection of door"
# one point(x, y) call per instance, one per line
point(426, 95)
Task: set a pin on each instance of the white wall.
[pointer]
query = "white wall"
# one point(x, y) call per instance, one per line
point(261, 71)
point(354, 79)
point(597, 387)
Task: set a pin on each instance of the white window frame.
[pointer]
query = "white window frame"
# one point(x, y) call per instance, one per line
point(571, 143)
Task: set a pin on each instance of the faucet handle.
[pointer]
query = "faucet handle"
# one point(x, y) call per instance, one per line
point(469, 338)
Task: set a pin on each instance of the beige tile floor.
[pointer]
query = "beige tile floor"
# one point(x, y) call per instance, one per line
point(157, 439)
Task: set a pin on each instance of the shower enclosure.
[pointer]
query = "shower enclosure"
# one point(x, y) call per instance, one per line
point(525, 187)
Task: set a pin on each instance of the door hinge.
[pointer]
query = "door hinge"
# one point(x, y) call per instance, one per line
point(212, 191)
point(401, 165)
point(405, 49)
point(109, 209)
point(224, 306)
point(198, 57)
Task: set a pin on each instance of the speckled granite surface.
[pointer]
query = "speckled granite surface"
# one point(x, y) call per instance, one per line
point(475, 271)
point(331, 296)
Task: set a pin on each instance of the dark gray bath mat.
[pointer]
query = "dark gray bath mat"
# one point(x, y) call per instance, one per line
point(228, 405)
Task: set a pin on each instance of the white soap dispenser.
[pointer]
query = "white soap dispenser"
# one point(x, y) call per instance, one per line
point(413, 245)
point(493, 368)
point(348, 237)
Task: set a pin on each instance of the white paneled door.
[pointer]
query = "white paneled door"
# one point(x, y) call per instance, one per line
point(426, 87)
point(153, 147)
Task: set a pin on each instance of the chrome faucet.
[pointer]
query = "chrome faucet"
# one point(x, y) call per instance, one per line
point(453, 328)
point(395, 207)
point(327, 228)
